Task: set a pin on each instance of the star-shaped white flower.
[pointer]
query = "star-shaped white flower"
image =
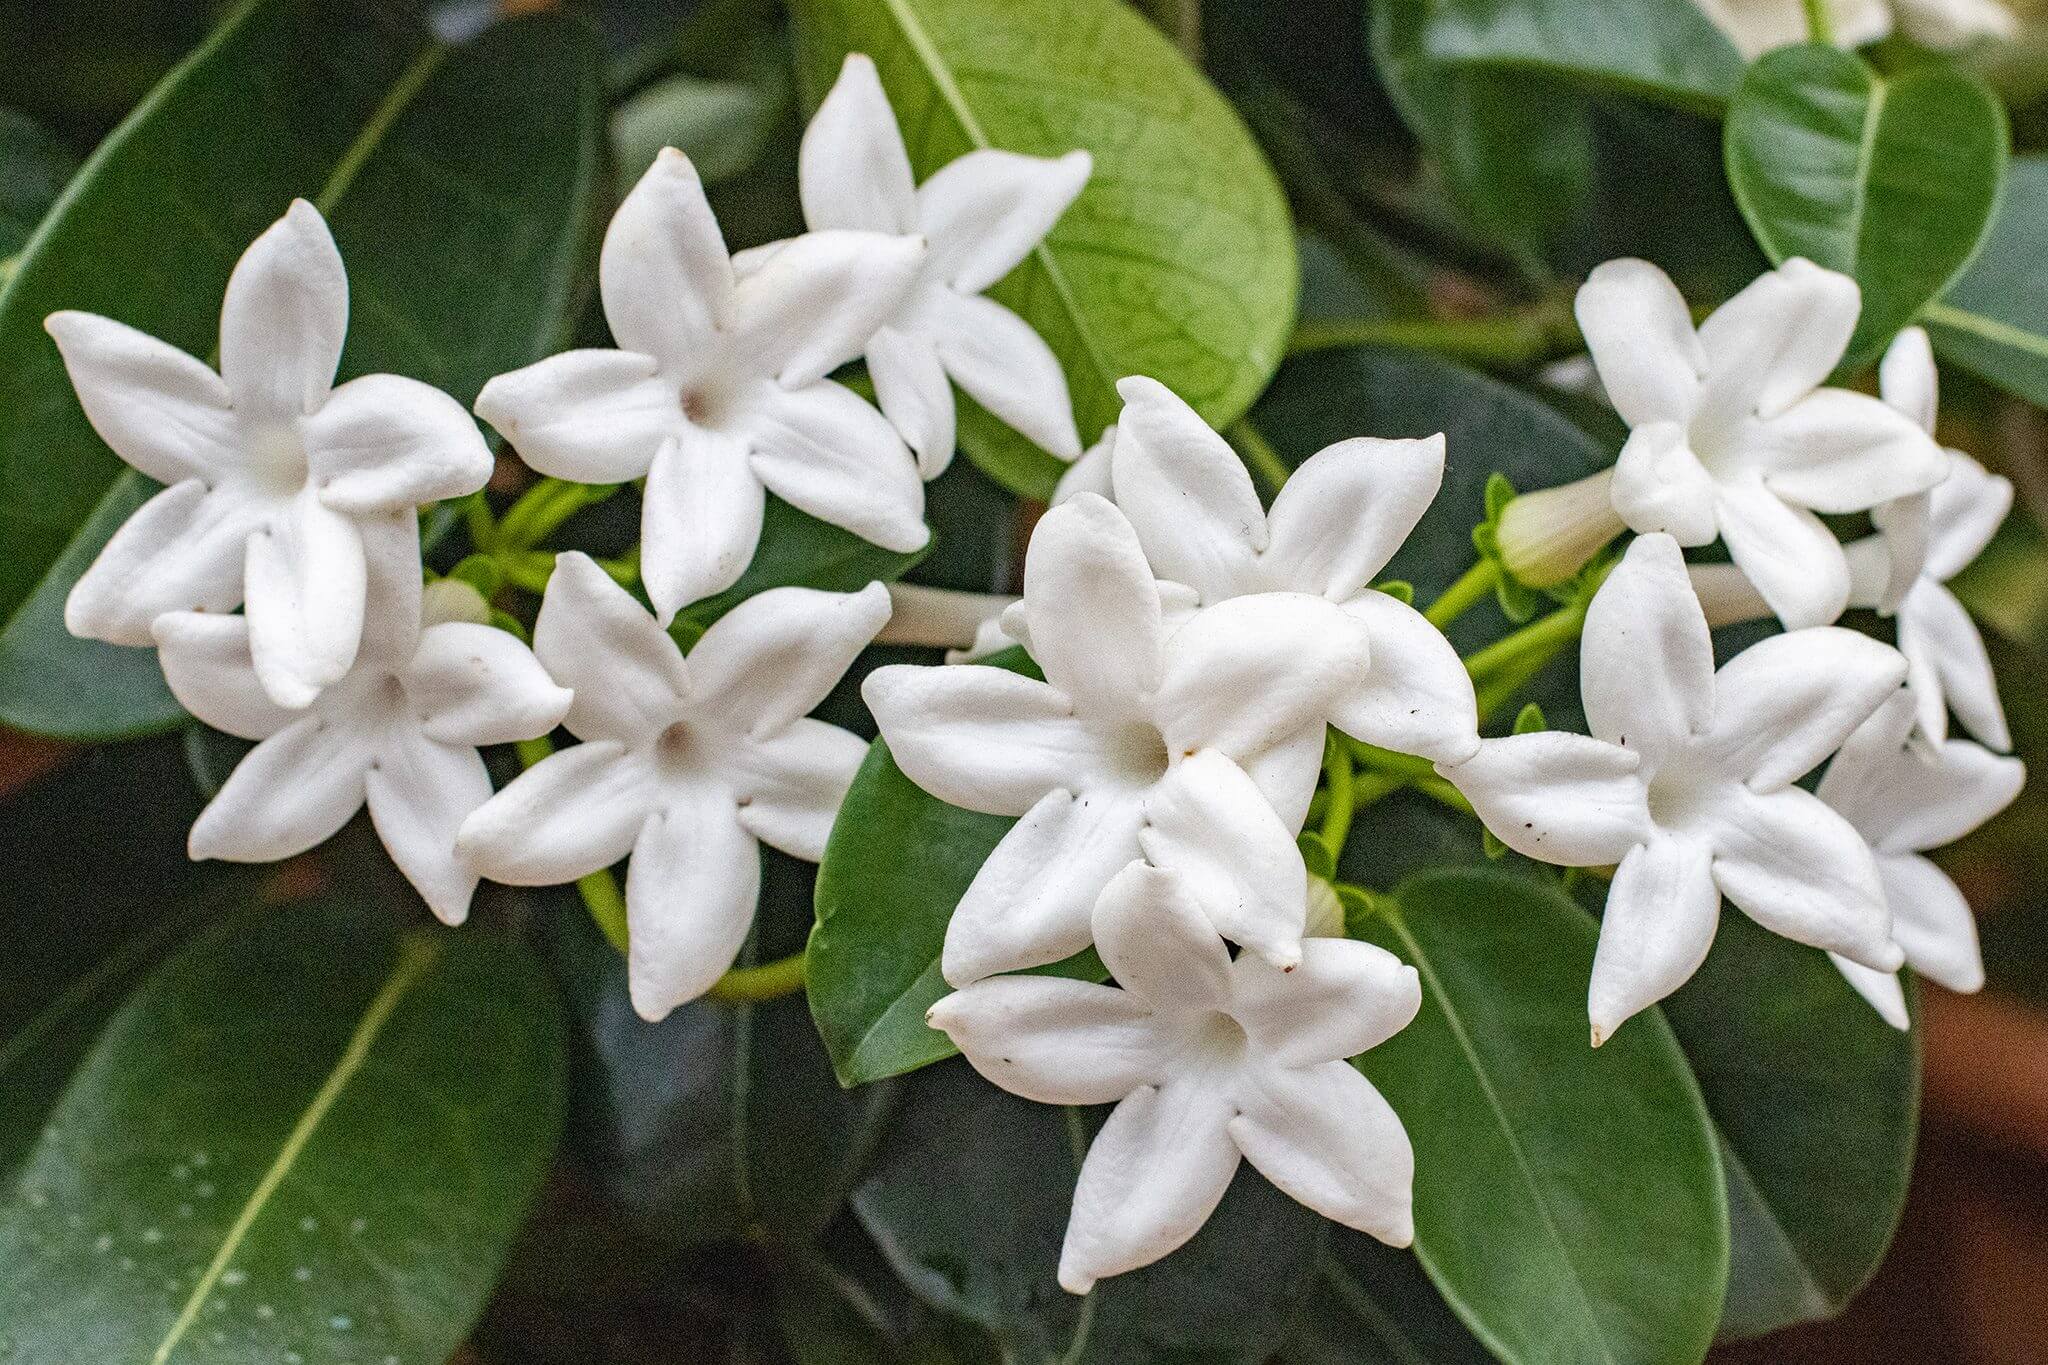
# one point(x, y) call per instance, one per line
point(980, 215)
point(1730, 433)
point(1905, 796)
point(1208, 1060)
point(685, 764)
point(399, 731)
point(1197, 749)
point(1757, 26)
point(718, 394)
point(1687, 783)
point(1337, 521)
point(275, 478)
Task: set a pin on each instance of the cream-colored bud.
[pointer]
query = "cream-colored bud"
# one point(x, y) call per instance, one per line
point(451, 599)
point(1547, 536)
point(1325, 911)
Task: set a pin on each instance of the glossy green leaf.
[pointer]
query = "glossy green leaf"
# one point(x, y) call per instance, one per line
point(722, 124)
point(1374, 1305)
point(1889, 179)
point(457, 182)
point(1994, 320)
point(309, 1133)
point(1816, 1099)
point(1568, 1200)
point(1176, 262)
point(33, 169)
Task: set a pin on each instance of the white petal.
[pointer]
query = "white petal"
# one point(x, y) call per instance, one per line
point(790, 785)
point(1800, 870)
point(1662, 911)
point(776, 655)
point(588, 416)
point(1328, 1138)
point(1836, 451)
point(1907, 379)
point(691, 887)
point(824, 451)
point(1251, 671)
point(1030, 902)
point(1870, 779)
point(980, 737)
point(1967, 509)
point(183, 550)
point(386, 444)
point(700, 519)
point(1559, 798)
point(913, 392)
point(1187, 492)
point(1287, 772)
point(305, 577)
point(1932, 922)
point(592, 637)
point(394, 595)
point(1771, 344)
point(1208, 821)
point(1158, 944)
point(851, 168)
point(1344, 998)
point(1786, 703)
point(1054, 1040)
point(1728, 597)
point(1092, 609)
point(1883, 568)
point(1152, 1177)
point(291, 792)
point(205, 658)
point(983, 212)
point(1946, 25)
point(1091, 472)
point(284, 317)
point(1641, 339)
point(570, 814)
point(161, 411)
point(420, 791)
point(1935, 628)
point(1341, 516)
point(1007, 367)
point(663, 272)
point(1881, 989)
point(1660, 485)
point(1903, 798)
point(812, 306)
point(1646, 661)
point(479, 685)
point(1786, 551)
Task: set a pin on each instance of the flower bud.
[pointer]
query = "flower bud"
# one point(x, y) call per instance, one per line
point(1325, 911)
point(1547, 536)
point(451, 599)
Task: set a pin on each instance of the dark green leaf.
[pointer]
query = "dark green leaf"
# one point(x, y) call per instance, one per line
point(797, 548)
point(1568, 1200)
point(1176, 262)
point(457, 182)
point(33, 169)
point(1816, 1100)
point(308, 1134)
point(1888, 179)
point(1995, 319)
point(1374, 1305)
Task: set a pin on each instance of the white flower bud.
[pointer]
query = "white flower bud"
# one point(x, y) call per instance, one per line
point(1547, 536)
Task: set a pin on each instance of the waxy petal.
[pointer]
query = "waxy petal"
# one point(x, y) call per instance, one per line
point(1950, 666)
point(587, 416)
point(1156, 941)
point(1660, 485)
point(1344, 998)
point(284, 317)
point(985, 211)
point(1786, 703)
point(479, 685)
point(1883, 991)
point(1287, 772)
point(1207, 821)
point(1054, 1040)
point(1786, 551)
point(183, 550)
point(1327, 1137)
point(1802, 871)
point(852, 169)
point(205, 658)
point(1642, 341)
point(305, 579)
point(163, 412)
point(825, 452)
point(1004, 365)
point(292, 791)
point(1907, 379)
point(980, 737)
point(691, 887)
point(1093, 611)
point(663, 273)
point(914, 393)
point(1251, 671)
point(1904, 798)
point(386, 444)
point(775, 656)
point(1646, 660)
point(1662, 911)
point(790, 786)
point(1966, 510)
point(570, 814)
point(1341, 516)
point(1777, 340)
point(1837, 451)
point(1931, 922)
point(1187, 493)
point(420, 790)
point(1560, 798)
point(700, 519)
point(811, 306)
point(592, 637)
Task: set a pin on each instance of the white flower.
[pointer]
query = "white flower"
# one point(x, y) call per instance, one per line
point(399, 731)
point(1686, 782)
point(1905, 797)
point(979, 215)
point(1090, 473)
point(1198, 749)
point(718, 395)
point(1730, 433)
point(1757, 26)
point(684, 764)
point(1208, 1060)
point(1335, 524)
point(273, 475)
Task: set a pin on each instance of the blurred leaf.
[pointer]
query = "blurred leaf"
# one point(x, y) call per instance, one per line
point(33, 169)
point(64, 63)
point(797, 548)
point(308, 1133)
point(1374, 1305)
point(1568, 1200)
point(1889, 179)
point(1176, 262)
point(722, 125)
point(1994, 320)
point(1817, 1101)
point(457, 181)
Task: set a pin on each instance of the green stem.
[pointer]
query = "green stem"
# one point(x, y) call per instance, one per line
point(1510, 339)
point(1368, 787)
point(1438, 789)
point(1472, 588)
point(1387, 761)
point(769, 981)
point(1820, 25)
point(1258, 453)
point(1539, 641)
point(1343, 798)
point(544, 507)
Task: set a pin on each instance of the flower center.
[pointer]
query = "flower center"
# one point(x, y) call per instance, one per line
point(1137, 754)
point(1219, 1039)
point(277, 457)
point(677, 748)
point(1679, 800)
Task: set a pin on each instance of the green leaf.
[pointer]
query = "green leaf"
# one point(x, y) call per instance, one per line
point(33, 169)
point(798, 549)
point(1816, 1099)
point(1889, 179)
point(1374, 1305)
point(457, 181)
point(723, 126)
point(308, 1132)
point(1994, 320)
point(1568, 1200)
point(1176, 262)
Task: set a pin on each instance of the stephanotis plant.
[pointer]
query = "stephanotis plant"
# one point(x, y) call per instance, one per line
point(1139, 878)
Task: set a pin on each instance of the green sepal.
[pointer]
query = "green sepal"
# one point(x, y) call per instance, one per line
point(1530, 720)
point(1495, 849)
point(1401, 592)
point(482, 572)
point(1316, 854)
